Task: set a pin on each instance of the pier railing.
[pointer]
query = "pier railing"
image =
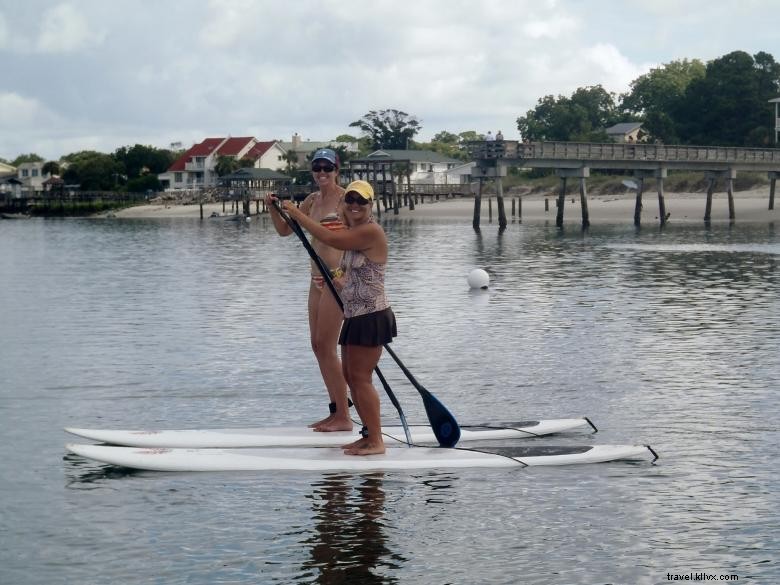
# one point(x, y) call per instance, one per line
point(611, 155)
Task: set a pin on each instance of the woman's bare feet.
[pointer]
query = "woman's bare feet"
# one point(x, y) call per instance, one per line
point(360, 443)
point(336, 423)
point(319, 423)
point(369, 448)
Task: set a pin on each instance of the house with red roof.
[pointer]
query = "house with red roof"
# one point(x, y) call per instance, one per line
point(195, 169)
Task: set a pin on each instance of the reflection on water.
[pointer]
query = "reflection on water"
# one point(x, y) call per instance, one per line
point(82, 474)
point(348, 542)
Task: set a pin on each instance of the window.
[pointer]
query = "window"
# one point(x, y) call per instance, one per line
point(177, 177)
point(25, 172)
point(34, 172)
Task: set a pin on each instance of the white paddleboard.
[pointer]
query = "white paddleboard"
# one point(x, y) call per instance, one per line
point(306, 437)
point(333, 459)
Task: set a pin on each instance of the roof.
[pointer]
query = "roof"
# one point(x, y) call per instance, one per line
point(252, 174)
point(10, 180)
point(258, 149)
point(428, 156)
point(6, 169)
point(222, 147)
point(233, 146)
point(312, 145)
point(624, 128)
point(204, 148)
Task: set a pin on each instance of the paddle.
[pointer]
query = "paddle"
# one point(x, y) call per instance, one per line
point(445, 427)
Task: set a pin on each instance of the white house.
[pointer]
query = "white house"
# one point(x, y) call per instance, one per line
point(626, 132)
point(427, 167)
point(195, 169)
point(461, 174)
point(32, 177)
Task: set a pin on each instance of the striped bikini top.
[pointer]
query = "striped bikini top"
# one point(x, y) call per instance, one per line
point(333, 222)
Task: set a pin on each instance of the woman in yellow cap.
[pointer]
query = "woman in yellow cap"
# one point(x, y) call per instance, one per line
point(325, 316)
point(369, 322)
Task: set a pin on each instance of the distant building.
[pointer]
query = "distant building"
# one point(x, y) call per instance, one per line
point(6, 170)
point(626, 132)
point(10, 186)
point(461, 174)
point(196, 168)
point(427, 166)
point(256, 179)
point(32, 177)
point(303, 148)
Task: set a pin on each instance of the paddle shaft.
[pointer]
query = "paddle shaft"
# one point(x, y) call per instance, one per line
point(298, 231)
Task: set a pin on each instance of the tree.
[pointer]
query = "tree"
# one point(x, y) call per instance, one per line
point(656, 94)
point(581, 117)
point(469, 136)
point(445, 143)
point(93, 171)
point(445, 137)
point(391, 129)
point(27, 158)
point(143, 183)
point(138, 160)
point(226, 165)
point(290, 157)
point(728, 106)
point(346, 138)
point(51, 168)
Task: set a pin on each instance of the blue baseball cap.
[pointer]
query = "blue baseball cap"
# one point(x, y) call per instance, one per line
point(327, 154)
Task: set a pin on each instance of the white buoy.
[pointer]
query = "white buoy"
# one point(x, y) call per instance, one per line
point(478, 278)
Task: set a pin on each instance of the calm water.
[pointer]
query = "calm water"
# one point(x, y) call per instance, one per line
point(663, 337)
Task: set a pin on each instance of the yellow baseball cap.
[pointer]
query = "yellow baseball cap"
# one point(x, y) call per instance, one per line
point(362, 188)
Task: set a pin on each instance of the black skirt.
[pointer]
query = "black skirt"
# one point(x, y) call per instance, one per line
point(369, 330)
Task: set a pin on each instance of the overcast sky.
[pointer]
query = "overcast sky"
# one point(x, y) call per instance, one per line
point(100, 74)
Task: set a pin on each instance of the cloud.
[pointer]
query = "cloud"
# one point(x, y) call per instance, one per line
point(606, 62)
point(17, 112)
point(64, 29)
point(269, 68)
point(4, 36)
point(553, 28)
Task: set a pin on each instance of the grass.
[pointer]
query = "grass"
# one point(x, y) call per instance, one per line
point(524, 183)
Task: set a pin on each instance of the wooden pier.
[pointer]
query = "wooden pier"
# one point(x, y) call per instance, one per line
point(58, 203)
point(576, 159)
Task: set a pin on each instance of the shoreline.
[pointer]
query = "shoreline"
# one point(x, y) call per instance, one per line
point(749, 206)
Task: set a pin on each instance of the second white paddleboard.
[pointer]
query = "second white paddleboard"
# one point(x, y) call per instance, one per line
point(305, 437)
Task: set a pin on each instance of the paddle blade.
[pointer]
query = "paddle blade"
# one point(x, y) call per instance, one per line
point(443, 424)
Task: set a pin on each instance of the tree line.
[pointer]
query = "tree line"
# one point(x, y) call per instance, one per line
point(721, 103)
point(129, 168)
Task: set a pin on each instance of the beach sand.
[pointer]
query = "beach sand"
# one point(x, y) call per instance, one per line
point(749, 206)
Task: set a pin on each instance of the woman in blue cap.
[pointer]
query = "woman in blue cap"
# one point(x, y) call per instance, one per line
point(325, 316)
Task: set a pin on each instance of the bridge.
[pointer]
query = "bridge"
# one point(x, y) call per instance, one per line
point(576, 159)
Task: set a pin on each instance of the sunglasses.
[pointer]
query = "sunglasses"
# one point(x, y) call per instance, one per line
point(323, 168)
point(349, 199)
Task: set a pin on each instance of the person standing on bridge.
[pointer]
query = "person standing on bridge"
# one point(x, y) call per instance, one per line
point(325, 315)
point(369, 322)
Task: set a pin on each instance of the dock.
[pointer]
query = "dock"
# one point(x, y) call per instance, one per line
point(574, 160)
